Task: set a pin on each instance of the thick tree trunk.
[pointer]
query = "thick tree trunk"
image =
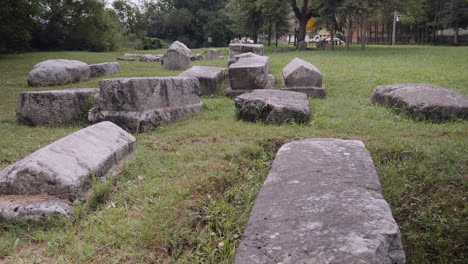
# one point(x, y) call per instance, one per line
point(302, 29)
point(349, 33)
point(332, 36)
point(269, 35)
point(364, 33)
point(455, 36)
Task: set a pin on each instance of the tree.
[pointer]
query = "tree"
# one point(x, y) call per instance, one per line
point(303, 15)
point(275, 17)
point(455, 16)
point(246, 16)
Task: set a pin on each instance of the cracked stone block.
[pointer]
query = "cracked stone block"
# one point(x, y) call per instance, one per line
point(106, 68)
point(321, 202)
point(302, 76)
point(247, 74)
point(177, 57)
point(58, 72)
point(151, 57)
point(273, 106)
point(32, 207)
point(236, 48)
point(65, 167)
point(423, 100)
point(54, 107)
point(209, 77)
point(140, 104)
point(212, 54)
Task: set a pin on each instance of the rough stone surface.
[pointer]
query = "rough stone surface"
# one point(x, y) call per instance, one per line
point(177, 57)
point(249, 73)
point(209, 77)
point(139, 104)
point(55, 106)
point(321, 203)
point(212, 54)
point(132, 55)
point(65, 167)
point(235, 49)
point(241, 56)
point(106, 68)
point(126, 59)
point(151, 57)
point(32, 207)
point(423, 100)
point(58, 72)
point(273, 106)
point(302, 45)
point(196, 57)
point(302, 76)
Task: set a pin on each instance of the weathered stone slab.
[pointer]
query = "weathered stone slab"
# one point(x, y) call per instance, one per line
point(196, 57)
point(249, 73)
point(270, 84)
point(177, 57)
point(321, 203)
point(126, 59)
point(209, 77)
point(32, 207)
point(55, 106)
point(212, 54)
point(106, 68)
point(139, 104)
point(65, 167)
point(151, 57)
point(58, 72)
point(273, 106)
point(302, 76)
point(132, 55)
point(235, 49)
point(423, 100)
point(302, 45)
point(241, 56)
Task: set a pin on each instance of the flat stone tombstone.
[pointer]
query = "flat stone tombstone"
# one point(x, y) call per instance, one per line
point(321, 203)
point(139, 104)
point(423, 100)
point(32, 207)
point(273, 106)
point(151, 57)
point(58, 72)
point(177, 57)
point(212, 54)
point(302, 76)
point(55, 106)
point(248, 74)
point(106, 68)
point(65, 167)
point(235, 49)
point(209, 77)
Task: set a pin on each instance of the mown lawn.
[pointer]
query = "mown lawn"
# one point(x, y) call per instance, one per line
point(187, 194)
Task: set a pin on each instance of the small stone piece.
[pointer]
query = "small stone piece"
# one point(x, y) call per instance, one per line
point(139, 104)
point(196, 57)
point(151, 57)
point(235, 49)
point(248, 73)
point(177, 57)
point(212, 54)
point(423, 100)
point(209, 77)
point(58, 72)
point(55, 106)
point(32, 207)
point(302, 76)
point(132, 55)
point(126, 59)
point(321, 203)
point(106, 68)
point(273, 106)
point(65, 167)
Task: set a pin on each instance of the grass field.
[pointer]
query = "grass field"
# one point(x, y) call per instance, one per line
point(187, 194)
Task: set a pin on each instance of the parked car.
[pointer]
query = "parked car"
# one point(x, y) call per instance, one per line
point(337, 41)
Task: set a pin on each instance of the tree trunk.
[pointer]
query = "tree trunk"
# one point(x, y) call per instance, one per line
point(364, 33)
point(349, 33)
point(455, 36)
point(332, 35)
point(269, 35)
point(276, 40)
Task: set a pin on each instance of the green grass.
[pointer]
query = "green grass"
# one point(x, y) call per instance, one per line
point(187, 194)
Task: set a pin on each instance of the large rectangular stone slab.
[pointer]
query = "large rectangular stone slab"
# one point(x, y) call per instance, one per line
point(321, 203)
point(209, 77)
point(106, 68)
point(235, 49)
point(65, 167)
point(54, 107)
point(249, 73)
point(139, 104)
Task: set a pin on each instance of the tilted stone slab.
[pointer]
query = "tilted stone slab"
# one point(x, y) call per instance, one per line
point(58, 72)
point(177, 57)
point(321, 203)
point(209, 77)
point(212, 54)
point(235, 49)
point(423, 100)
point(151, 57)
point(139, 104)
point(106, 68)
point(302, 76)
point(55, 106)
point(273, 106)
point(32, 207)
point(249, 73)
point(65, 167)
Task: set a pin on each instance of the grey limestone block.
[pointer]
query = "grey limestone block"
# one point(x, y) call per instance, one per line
point(54, 107)
point(273, 106)
point(151, 57)
point(249, 73)
point(177, 57)
point(209, 77)
point(302, 76)
point(106, 68)
point(139, 104)
point(65, 167)
point(321, 203)
point(58, 72)
point(212, 54)
point(32, 207)
point(236, 48)
point(428, 101)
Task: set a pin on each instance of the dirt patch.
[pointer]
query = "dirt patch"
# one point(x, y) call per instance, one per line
point(17, 199)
